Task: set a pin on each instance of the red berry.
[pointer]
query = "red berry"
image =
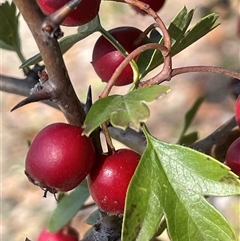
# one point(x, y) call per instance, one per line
point(237, 111)
point(109, 179)
point(106, 58)
point(84, 13)
point(155, 5)
point(65, 234)
point(59, 157)
point(232, 159)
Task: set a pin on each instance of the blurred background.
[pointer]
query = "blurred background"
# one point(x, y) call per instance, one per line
point(24, 211)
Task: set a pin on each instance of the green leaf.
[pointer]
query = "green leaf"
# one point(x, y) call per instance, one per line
point(189, 138)
point(67, 208)
point(189, 116)
point(200, 29)
point(93, 217)
point(67, 42)
point(123, 111)
point(172, 180)
point(5, 46)
point(9, 37)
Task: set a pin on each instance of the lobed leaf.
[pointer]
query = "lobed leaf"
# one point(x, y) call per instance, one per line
point(172, 180)
point(181, 38)
point(200, 29)
point(123, 111)
point(68, 207)
point(153, 58)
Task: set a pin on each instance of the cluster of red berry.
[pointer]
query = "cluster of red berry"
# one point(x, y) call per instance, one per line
point(60, 158)
point(233, 154)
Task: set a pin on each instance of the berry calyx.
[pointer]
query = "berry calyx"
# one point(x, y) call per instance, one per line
point(59, 158)
point(106, 58)
point(65, 234)
point(237, 111)
point(86, 11)
point(109, 179)
point(232, 158)
point(155, 5)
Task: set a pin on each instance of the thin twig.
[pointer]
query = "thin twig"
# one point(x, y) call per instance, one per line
point(208, 69)
point(223, 136)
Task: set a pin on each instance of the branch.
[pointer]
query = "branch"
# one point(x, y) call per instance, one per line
point(23, 86)
point(129, 137)
point(217, 143)
point(224, 135)
point(61, 91)
point(107, 228)
point(20, 86)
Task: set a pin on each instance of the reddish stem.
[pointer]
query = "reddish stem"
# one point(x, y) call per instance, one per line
point(145, 7)
point(209, 69)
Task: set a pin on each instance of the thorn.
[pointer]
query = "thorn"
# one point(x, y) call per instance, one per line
point(40, 95)
point(52, 22)
point(88, 103)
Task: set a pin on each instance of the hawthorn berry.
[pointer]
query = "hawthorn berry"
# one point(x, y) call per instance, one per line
point(59, 157)
point(106, 58)
point(237, 111)
point(232, 158)
point(86, 11)
point(109, 179)
point(65, 234)
point(155, 5)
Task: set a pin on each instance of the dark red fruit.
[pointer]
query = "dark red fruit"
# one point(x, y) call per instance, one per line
point(232, 159)
point(106, 58)
point(109, 179)
point(65, 234)
point(237, 111)
point(84, 13)
point(59, 157)
point(155, 5)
